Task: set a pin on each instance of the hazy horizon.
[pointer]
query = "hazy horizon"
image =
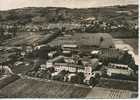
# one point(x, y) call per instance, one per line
point(15, 4)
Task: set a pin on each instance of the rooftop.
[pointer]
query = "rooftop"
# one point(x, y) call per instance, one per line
point(110, 52)
point(69, 65)
point(117, 66)
point(58, 58)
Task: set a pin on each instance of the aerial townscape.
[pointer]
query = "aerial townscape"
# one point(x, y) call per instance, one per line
point(50, 52)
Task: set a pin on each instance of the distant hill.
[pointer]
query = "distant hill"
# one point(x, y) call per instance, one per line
point(52, 14)
point(115, 15)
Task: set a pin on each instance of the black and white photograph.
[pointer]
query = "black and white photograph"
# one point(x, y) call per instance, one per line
point(67, 49)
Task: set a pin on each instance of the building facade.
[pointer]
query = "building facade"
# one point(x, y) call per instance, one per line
point(118, 69)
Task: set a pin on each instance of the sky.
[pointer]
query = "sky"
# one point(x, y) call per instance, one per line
point(13, 4)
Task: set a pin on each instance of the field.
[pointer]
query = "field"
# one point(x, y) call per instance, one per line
point(105, 93)
point(7, 80)
point(118, 84)
point(62, 40)
point(21, 69)
point(32, 88)
point(85, 40)
point(28, 38)
point(93, 39)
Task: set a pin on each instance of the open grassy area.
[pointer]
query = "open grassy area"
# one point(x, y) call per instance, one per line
point(94, 39)
point(36, 89)
point(118, 84)
point(86, 39)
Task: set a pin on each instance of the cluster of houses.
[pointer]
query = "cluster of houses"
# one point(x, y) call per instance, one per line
point(58, 64)
point(30, 27)
point(89, 66)
point(69, 60)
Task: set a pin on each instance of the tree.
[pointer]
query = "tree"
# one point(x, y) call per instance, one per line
point(63, 72)
point(101, 39)
point(0, 17)
point(128, 58)
point(35, 68)
point(12, 15)
point(51, 69)
point(92, 81)
point(1, 31)
point(74, 79)
point(58, 77)
point(78, 78)
point(46, 75)
point(81, 75)
point(133, 66)
point(80, 62)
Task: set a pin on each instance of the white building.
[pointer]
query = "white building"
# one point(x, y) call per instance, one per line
point(88, 72)
point(86, 69)
point(52, 53)
point(118, 69)
point(69, 46)
point(94, 52)
point(68, 67)
point(50, 62)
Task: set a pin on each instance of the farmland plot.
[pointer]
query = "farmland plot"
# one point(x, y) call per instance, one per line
point(105, 93)
point(33, 88)
point(7, 80)
point(115, 84)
